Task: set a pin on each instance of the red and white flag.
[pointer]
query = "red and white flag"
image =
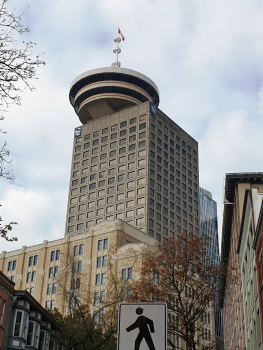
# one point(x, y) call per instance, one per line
point(122, 36)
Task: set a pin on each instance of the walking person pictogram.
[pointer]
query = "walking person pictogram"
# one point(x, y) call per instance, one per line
point(142, 323)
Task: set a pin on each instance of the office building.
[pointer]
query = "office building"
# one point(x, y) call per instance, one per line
point(209, 228)
point(130, 161)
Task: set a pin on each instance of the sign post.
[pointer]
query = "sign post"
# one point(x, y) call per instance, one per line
point(142, 326)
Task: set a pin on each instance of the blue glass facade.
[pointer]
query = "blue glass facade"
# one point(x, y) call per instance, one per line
point(209, 228)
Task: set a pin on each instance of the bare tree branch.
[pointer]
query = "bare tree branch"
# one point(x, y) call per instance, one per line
point(176, 273)
point(18, 67)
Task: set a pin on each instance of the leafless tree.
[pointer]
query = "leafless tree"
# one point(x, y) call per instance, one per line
point(18, 67)
point(176, 273)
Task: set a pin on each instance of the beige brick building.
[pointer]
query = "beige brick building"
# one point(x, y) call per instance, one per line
point(83, 266)
point(78, 263)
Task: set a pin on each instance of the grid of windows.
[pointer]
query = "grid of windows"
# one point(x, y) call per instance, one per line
point(141, 174)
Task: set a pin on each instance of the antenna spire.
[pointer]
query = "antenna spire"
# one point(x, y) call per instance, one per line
point(116, 50)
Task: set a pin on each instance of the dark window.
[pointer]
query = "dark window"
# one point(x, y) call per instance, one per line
point(35, 260)
point(83, 189)
point(92, 186)
point(57, 254)
point(123, 133)
point(142, 126)
point(132, 138)
point(142, 144)
point(123, 124)
point(132, 129)
point(112, 154)
point(105, 243)
point(52, 257)
point(104, 260)
point(30, 261)
point(70, 229)
point(142, 135)
point(111, 180)
point(56, 271)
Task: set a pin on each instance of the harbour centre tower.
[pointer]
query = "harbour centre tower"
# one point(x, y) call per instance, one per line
point(130, 161)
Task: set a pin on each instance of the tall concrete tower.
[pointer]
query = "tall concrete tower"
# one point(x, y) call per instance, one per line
point(130, 161)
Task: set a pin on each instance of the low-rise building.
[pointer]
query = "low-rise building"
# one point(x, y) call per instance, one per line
point(31, 326)
point(6, 299)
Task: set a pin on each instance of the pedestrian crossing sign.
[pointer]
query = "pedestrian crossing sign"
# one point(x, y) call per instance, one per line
point(142, 326)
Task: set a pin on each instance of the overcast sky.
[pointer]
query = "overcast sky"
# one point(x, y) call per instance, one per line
point(205, 56)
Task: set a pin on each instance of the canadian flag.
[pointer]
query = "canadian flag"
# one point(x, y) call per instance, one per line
point(122, 36)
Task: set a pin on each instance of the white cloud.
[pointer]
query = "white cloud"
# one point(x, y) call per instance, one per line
point(205, 57)
point(35, 214)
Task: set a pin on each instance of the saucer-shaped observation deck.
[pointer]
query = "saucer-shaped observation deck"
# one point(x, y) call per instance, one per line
point(105, 91)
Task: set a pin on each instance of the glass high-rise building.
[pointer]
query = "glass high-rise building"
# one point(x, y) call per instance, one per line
point(130, 161)
point(209, 228)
